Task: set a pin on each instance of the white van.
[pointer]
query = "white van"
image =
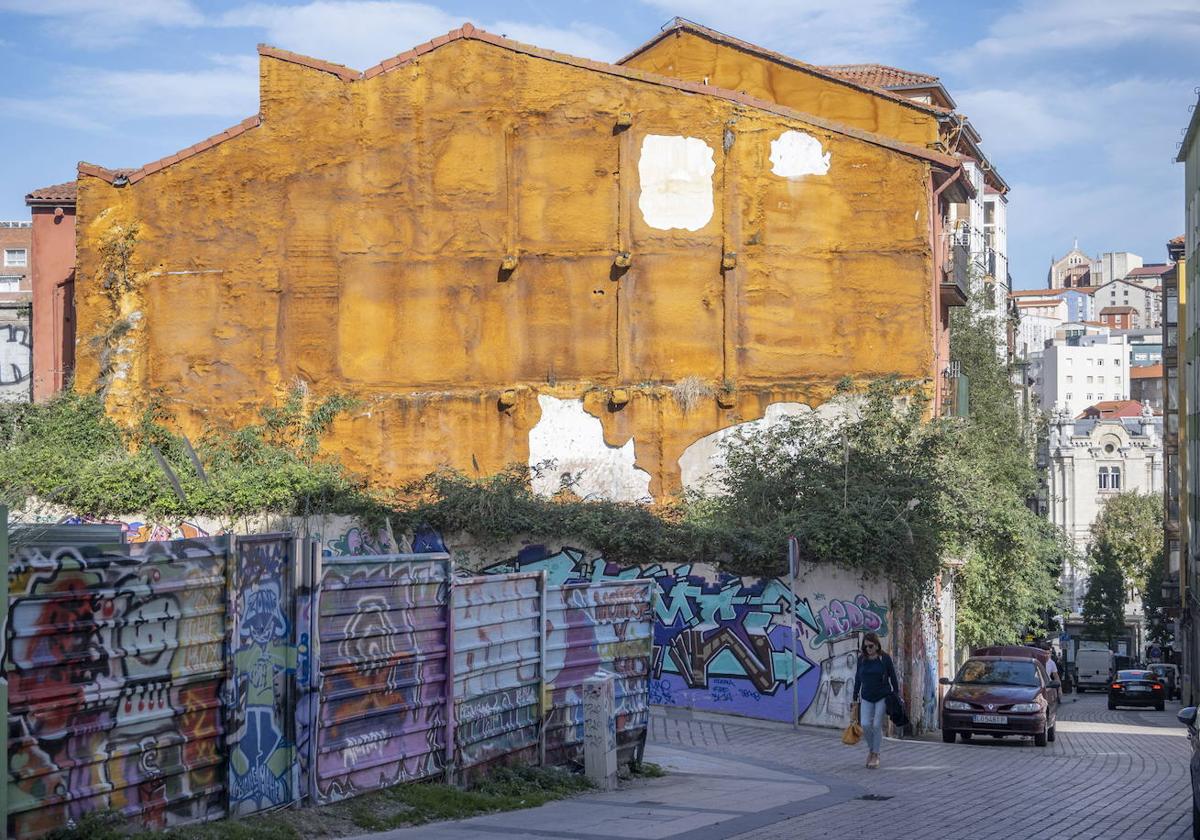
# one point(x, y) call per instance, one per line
point(1093, 666)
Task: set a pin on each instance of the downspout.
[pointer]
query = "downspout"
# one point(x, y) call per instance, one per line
point(935, 230)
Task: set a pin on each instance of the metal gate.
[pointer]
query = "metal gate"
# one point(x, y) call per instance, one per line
point(262, 674)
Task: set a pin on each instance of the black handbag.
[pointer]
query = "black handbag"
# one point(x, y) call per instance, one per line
point(896, 711)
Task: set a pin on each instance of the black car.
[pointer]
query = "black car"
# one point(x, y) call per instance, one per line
point(1188, 718)
point(1137, 688)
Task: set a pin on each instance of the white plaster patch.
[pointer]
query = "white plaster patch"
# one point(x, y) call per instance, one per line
point(795, 154)
point(676, 178)
point(568, 443)
point(700, 462)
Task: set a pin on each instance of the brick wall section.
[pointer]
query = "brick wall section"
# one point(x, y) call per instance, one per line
point(16, 237)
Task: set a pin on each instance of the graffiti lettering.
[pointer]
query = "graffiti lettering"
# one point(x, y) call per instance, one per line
point(841, 618)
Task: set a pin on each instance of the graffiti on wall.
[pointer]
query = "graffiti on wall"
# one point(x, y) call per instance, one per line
point(262, 750)
point(724, 643)
point(114, 662)
point(16, 362)
point(136, 531)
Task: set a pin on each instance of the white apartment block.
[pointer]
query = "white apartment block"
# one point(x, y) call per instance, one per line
point(1147, 301)
point(1077, 375)
point(982, 225)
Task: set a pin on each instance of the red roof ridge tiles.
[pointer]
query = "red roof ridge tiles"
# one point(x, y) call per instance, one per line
point(132, 176)
point(64, 193)
point(470, 32)
point(884, 72)
point(682, 24)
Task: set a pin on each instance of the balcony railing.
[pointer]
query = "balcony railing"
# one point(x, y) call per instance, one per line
point(957, 265)
point(956, 392)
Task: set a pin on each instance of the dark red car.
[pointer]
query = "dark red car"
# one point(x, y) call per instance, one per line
point(1000, 695)
point(1137, 688)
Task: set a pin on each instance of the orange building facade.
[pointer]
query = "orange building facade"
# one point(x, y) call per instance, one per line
point(509, 255)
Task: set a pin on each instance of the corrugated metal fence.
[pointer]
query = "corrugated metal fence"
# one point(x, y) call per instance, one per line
point(188, 680)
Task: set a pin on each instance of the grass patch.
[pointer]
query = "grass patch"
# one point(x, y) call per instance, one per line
point(505, 789)
point(647, 770)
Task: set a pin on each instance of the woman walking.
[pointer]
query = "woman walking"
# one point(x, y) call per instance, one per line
point(874, 682)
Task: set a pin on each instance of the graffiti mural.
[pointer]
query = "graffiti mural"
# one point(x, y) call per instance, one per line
point(136, 531)
point(114, 658)
point(382, 656)
point(724, 643)
point(262, 746)
point(16, 362)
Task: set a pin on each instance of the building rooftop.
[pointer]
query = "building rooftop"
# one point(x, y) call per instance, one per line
point(881, 75)
point(1117, 310)
point(1111, 409)
point(1150, 270)
point(56, 193)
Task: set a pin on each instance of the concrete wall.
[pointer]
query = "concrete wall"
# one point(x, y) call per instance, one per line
point(355, 240)
point(16, 352)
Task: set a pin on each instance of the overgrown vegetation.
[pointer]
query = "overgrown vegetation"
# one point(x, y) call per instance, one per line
point(1012, 557)
point(870, 484)
point(505, 789)
point(70, 453)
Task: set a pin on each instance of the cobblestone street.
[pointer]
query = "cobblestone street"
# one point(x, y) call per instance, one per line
point(1109, 774)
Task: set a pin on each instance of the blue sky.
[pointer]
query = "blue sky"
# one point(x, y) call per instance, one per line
point(1080, 102)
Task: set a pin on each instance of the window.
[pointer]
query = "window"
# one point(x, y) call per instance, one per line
point(1070, 379)
point(1068, 397)
point(1089, 397)
point(1100, 379)
point(1089, 380)
point(1100, 362)
point(1116, 380)
point(10, 282)
point(15, 257)
point(1116, 362)
point(1107, 477)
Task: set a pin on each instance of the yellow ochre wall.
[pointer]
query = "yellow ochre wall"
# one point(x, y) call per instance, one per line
point(354, 239)
point(694, 58)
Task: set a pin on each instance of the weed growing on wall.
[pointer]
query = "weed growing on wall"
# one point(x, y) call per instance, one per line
point(70, 453)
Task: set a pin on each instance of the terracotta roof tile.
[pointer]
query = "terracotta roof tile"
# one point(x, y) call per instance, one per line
point(1151, 270)
point(135, 175)
point(1117, 310)
point(1177, 240)
point(881, 75)
point(64, 193)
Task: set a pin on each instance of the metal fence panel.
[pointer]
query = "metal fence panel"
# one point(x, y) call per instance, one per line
point(115, 662)
point(598, 626)
point(497, 669)
point(382, 662)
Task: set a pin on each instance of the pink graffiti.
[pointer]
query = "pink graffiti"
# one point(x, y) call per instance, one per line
point(840, 618)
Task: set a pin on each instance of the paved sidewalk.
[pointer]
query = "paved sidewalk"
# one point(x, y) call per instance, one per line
point(704, 796)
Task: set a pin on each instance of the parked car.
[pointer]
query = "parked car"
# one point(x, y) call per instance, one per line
point(999, 696)
point(1023, 652)
point(1169, 674)
point(1188, 718)
point(1137, 688)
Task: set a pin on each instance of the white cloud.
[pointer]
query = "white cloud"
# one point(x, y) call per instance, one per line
point(101, 24)
point(1057, 25)
point(361, 33)
point(816, 31)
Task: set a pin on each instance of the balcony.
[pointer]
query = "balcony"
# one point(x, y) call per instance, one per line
point(956, 391)
point(956, 271)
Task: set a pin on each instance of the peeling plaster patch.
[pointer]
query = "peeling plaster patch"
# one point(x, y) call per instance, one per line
point(676, 178)
point(700, 462)
point(796, 154)
point(568, 443)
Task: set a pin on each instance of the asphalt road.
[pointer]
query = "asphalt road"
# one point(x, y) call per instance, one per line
point(1109, 774)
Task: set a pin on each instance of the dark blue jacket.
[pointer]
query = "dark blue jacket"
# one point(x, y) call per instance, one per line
point(875, 678)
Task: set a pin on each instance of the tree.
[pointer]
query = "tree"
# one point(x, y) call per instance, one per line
point(1012, 557)
point(1104, 603)
point(1130, 525)
point(1158, 622)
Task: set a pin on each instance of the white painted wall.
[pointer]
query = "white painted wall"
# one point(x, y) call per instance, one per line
point(676, 182)
point(567, 444)
point(795, 154)
point(1075, 377)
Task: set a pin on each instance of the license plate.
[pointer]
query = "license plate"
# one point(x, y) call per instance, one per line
point(1137, 688)
point(995, 719)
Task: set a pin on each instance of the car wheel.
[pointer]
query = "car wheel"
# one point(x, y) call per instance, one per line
point(1050, 733)
point(966, 736)
point(948, 735)
point(1040, 738)
point(1158, 707)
